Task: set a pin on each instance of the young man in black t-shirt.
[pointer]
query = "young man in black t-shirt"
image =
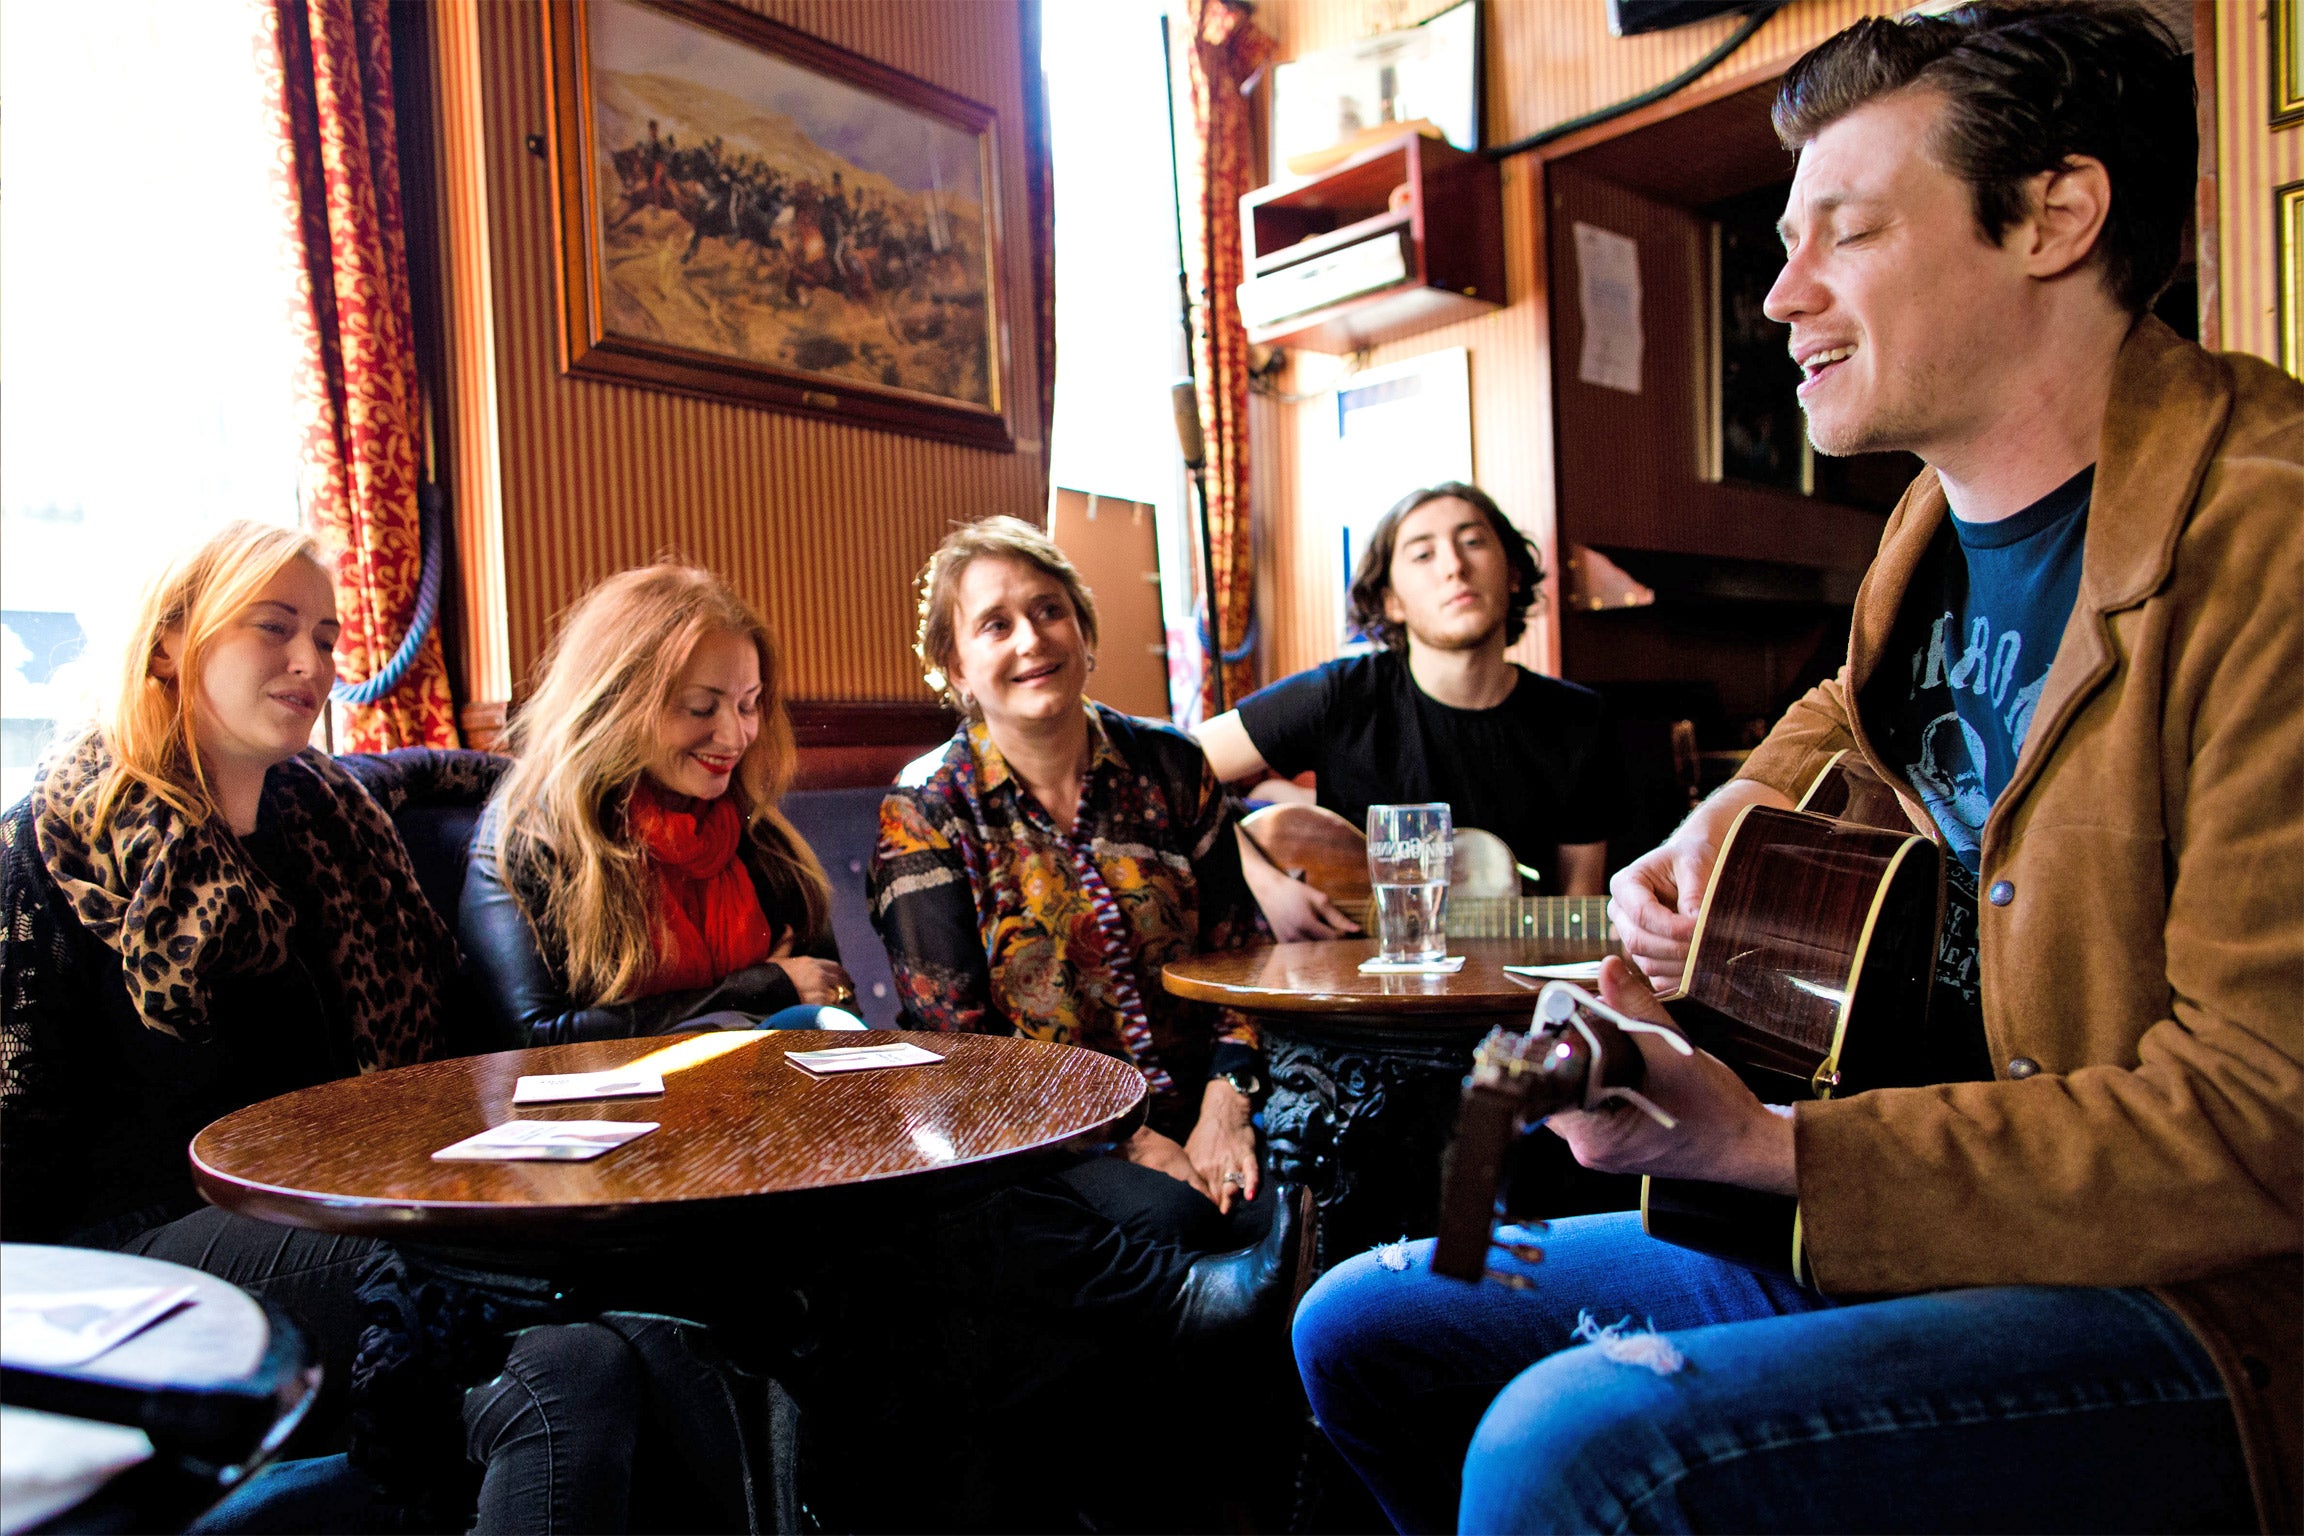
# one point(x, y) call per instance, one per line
point(1444, 586)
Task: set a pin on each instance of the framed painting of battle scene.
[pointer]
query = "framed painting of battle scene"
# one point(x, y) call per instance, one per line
point(752, 214)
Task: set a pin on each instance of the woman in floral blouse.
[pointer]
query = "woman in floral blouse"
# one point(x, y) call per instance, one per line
point(1031, 878)
point(1034, 875)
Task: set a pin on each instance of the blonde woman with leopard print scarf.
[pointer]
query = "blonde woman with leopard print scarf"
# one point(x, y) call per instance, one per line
point(200, 912)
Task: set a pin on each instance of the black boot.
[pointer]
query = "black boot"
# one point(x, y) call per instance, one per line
point(1254, 1289)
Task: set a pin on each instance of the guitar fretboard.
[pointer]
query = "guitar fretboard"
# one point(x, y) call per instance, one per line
point(1562, 919)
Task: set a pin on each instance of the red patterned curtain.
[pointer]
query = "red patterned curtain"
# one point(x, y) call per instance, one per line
point(1226, 54)
point(329, 64)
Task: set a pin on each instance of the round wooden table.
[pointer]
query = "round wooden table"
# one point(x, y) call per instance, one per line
point(737, 1128)
point(215, 1374)
point(1367, 1070)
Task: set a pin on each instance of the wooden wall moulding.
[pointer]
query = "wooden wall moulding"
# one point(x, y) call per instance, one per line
point(483, 722)
point(869, 723)
point(854, 743)
point(751, 214)
point(842, 743)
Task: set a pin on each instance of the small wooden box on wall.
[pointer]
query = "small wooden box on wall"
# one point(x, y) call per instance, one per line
point(1402, 237)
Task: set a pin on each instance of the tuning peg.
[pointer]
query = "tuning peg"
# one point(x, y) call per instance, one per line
point(1526, 1253)
point(1516, 1282)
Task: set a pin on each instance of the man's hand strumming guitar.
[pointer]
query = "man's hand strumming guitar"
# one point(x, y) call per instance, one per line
point(1724, 1135)
point(1653, 900)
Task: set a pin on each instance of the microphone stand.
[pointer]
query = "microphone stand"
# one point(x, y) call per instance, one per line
point(1194, 446)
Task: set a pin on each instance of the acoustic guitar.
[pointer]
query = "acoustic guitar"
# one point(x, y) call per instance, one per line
point(1313, 844)
point(1809, 974)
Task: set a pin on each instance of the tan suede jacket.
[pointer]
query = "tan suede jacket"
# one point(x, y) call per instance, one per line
point(2151, 960)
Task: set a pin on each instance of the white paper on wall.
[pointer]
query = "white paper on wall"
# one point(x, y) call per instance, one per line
point(1608, 282)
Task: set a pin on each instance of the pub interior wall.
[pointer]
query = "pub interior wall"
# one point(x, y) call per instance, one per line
point(559, 482)
point(1551, 60)
point(1547, 61)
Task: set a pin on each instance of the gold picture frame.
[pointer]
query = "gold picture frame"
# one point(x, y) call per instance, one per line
point(2287, 53)
point(2288, 273)
point(751, 214)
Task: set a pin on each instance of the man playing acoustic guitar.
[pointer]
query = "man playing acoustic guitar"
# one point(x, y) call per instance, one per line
point(2061, 1290)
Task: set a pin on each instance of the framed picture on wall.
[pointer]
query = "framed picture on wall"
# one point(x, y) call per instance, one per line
point(752, 214)
point(2288, 273)
point(2287, 51)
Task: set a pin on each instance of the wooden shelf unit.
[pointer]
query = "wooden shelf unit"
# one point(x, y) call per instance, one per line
point(1449, 235)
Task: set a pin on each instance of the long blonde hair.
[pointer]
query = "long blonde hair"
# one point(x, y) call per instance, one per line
point(149, 724)
point(584, 738)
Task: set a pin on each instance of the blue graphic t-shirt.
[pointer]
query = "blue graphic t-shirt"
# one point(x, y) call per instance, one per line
point(1953, 701)
point(1980, 657)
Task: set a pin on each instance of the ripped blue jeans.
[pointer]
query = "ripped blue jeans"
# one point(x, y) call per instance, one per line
point(1764, 1407)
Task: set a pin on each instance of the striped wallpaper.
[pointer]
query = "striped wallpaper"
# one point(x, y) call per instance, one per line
point(1548, 60)
point(560, 482)
point(2253, 160)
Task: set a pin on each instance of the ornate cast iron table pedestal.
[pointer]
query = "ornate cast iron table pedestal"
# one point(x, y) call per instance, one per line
point(1366, 1069)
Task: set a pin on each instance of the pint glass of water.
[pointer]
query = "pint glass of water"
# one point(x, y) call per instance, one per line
point(1408, 847)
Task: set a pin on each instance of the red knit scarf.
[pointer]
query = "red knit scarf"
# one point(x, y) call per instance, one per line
point(711, 923)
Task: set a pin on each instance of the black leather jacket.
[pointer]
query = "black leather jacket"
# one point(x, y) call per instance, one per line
point(522, 984)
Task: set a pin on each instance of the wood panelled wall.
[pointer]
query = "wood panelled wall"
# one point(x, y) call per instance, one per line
point(2253, 160)
point(1548, 61)
point(559, 482)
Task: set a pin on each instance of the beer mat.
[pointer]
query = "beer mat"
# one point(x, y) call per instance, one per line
point(860, 1058)
point(553, 1087)
point(1572, 970)
point(1447, 966)
point(544, 1141)
point(52, 1330)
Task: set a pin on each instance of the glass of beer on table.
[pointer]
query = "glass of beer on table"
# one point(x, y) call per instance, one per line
point(1408, 852)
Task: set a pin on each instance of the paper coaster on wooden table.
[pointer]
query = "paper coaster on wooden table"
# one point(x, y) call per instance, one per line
point(1446, 966)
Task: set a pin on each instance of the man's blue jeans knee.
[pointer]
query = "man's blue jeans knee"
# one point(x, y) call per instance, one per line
point(2004, 1408)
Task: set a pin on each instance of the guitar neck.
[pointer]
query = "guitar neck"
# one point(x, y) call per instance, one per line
point(1563, 919)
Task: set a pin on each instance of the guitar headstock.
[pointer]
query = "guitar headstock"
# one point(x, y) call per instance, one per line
point(1576, 1054)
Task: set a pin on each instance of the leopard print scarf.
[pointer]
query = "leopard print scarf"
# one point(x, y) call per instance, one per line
point(184, 903)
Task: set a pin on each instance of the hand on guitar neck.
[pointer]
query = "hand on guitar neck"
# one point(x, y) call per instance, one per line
point(1811, 973)
point(1308, 869)
point(1653, 901)
point(1723, 1134)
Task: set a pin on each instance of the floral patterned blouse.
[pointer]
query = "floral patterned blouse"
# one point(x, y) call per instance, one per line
point(996, 922)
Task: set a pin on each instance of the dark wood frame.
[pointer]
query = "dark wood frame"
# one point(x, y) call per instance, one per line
point(2288, 273)
point(588, 350)
point(2282, 17)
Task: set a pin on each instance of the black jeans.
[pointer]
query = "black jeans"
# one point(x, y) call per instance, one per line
point(597, 1389)
point(630, 1400)
point(308, 1275)
point(1021, 1348)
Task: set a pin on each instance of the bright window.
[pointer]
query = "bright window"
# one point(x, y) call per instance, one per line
point(1119, 337)
point(145, 353)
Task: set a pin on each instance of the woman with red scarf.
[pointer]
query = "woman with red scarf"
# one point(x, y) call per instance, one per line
point(633, 874)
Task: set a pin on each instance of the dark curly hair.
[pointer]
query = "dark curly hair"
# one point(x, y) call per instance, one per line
point(1373, 578)
point(2028, 87)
